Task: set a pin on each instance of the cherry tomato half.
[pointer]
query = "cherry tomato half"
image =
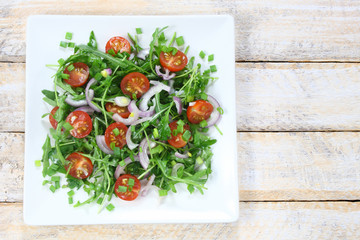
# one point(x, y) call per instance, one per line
point(131, 192)
point(118, 44)
point(135, 83)
point(116, 136)
point(81, 123)
point(200, 111)
point(80, 167)
point(52, 120)
point(172, 62)
point(177, 141)
point(122, 111)
point(78, 76)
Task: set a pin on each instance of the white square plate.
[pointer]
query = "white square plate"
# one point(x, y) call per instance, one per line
point(212, 34)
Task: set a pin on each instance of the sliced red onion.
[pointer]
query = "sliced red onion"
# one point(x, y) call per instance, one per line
point(129, 142)
point(143, 155)
point(166, 75)
point(122, 101)
point(127, 121)
point(69, 100)
point(133, 108)
point(158, 87)
point(143, 53)
point(176, 168)
point(100, 141)
point(178, 104)
point(179, 155)
point(86, 109)
point(120, 169)
point(144, 191)
point(215, 115)
point(90, 95)
point(191, 104)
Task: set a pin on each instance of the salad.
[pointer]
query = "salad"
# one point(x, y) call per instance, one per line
point(129, 120)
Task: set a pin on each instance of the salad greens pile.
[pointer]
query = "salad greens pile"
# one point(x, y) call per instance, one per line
point(189, 85)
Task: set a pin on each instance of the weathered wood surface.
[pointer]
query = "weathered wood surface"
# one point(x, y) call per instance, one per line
point(326, 220)
point(277, 30)
point(270, 96)
point(272, 166)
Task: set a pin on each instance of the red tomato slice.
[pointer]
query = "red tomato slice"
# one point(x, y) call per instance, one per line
point(52, 120)
point(81, 123)
point(78, 76)
point(80, 167)
point(122, 111)
point(200, 111)
point(135, 83)
point(116, 136)
point(131, 192)
point(172, 62)
point(177, 141)
point(118, 44)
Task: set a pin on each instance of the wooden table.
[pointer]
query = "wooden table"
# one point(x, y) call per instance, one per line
point(298, 108)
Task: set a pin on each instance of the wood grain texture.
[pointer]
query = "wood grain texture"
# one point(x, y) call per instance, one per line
point(330, 220)
point(297, 97)
point(271, 166)
point(277, 30)
point(270, 96)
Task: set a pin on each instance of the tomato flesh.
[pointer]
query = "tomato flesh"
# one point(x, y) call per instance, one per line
point(172, 62)
point(135, 83)
point(81, 123)
point(118, 44)
point(122, 111)
point(200, 111)
point(78, 76)
point(80, 167)
point(52, 120)
point(177, 141)
point(119, 140)
point(132, 192)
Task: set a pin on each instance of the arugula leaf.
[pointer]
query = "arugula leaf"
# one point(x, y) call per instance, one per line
point(45, 157)
point(92, 40)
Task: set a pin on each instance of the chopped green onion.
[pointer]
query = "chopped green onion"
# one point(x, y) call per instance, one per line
point(71, 200)
point(163, 192)
point(54, 167)
point(57, 185)
point(180, 41)
point(203, 123)
point(186, 135)
point(156, 133)
point(116, 131)
point(213, 68)
point(211, 57)
point(112, 145)
point(202, 54)
point(122, 189)
point(68, 126)
point(68, 36)
point(138, 31)
point(157, 149)
point(61, 61)
point(63, 44)
point(45, 182)
point(220, 110)
point(122, 163)
point(189, 98)
point(99, 201)
point(131, 182)
point(98, 76)
point(199, 160)
point(52, 188)
point(110, 207)
point(55, 178)
point(37, 163)
point(70, 193)
point(65, 76)
point(71, 45)
point(203, 96)
point(174, 51)
point(70, 67)
point(111, 51)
